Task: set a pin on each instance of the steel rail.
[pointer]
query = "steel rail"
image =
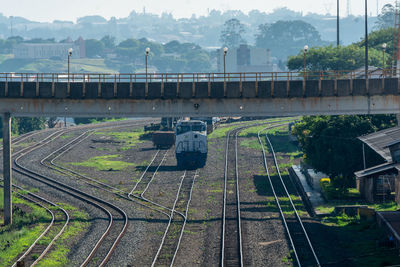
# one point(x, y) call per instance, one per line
point(44, 252)
point(37, 203)
point(98, 184)
point(145, 171)
point(185, 220)
point(156, 258)
point(110, 187)
point(239, 232)
point(77, 194)
point(48, 247)
point(276, 197)
point(240, 245)
point(238, 198)
point(291, 202)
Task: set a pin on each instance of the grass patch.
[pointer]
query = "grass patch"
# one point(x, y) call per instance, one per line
point(26, 227)
point(78, 224)
point(361, 242)
point(104, 163)
point(130, 139)
point(251, 143)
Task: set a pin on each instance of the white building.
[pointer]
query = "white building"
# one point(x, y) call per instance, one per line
point(50, 50)
point(246, 59)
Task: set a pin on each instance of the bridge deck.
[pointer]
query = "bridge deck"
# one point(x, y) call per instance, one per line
point(238, 94)
point(201, 89)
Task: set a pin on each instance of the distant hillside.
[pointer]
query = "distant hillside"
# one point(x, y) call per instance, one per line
point(203, 30)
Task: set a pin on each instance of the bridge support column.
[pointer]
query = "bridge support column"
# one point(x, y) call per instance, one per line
point(398, 119)
point(7, 172)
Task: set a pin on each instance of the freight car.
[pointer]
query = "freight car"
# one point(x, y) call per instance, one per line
point(163, 139)
point(191, 144)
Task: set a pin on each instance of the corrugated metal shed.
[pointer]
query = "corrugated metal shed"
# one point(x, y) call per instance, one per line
point(380, 140)
point(378, 169)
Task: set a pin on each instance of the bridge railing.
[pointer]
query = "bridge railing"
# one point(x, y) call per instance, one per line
point(193, 77)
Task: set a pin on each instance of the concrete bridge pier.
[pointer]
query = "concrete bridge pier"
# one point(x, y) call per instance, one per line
point(7, 172)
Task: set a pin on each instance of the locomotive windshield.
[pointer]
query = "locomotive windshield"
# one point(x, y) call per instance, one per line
point(181, 129)
point(198, 128)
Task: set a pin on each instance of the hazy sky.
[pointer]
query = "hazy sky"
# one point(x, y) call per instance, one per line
point(49, 10)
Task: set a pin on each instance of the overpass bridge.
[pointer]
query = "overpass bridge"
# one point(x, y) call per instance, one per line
point(189, 94)
point(198, 94)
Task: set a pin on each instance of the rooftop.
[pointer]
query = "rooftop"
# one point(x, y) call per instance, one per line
point(379, 141)
point(378, 169)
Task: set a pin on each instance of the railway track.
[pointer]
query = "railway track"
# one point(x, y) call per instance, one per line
point(134, 195)
point(303, 249)
point(59, 217)
point(231, 251)
point(177, 215)
point(118, 220)
point(231, 241)
point(172, 237)
point(151, 170)
point(59, 221)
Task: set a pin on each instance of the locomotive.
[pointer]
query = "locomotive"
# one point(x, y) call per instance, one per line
point(191, 143)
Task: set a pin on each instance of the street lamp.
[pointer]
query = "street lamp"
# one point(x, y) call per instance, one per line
point(337, 24)
point(146, 56)
point(384, 45)
point(70, 50)
point(305, 52)
point(366, 39)
point(225, 52)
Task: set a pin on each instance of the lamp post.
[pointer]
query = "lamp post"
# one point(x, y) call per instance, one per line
point(384, 45)
point(70, 50)
point(305, 52)
point(146, 56)
point(366, 39)
point(337, 24)
point(225, 52)
point(69, 56)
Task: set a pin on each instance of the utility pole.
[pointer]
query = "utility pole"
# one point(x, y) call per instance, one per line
point(366, 39)
point(7, 171)
point(337, 24)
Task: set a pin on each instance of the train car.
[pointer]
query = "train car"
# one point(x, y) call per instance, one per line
point(212, 122)
point(191, 143)
point(163, 139)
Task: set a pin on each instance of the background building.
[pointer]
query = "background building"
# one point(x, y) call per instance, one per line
point(246, 59)
point(50, 50)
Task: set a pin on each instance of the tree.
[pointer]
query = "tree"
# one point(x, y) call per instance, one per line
point(91, 19)
point(286, 38)
point(93, 48)
point(108, 41)
point(88, 120)
point(334, 58)
point(348, 57)
point(386, 17)
point(52, 122)
point(26, 125)
point(231, 35)
point(330, 143)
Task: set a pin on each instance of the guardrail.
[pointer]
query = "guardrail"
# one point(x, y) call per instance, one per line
point(194, 77)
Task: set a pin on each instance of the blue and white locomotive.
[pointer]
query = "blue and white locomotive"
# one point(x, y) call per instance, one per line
point(191, 143)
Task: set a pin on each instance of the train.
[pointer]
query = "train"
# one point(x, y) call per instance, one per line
point(191, 143)
point(212, 122)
